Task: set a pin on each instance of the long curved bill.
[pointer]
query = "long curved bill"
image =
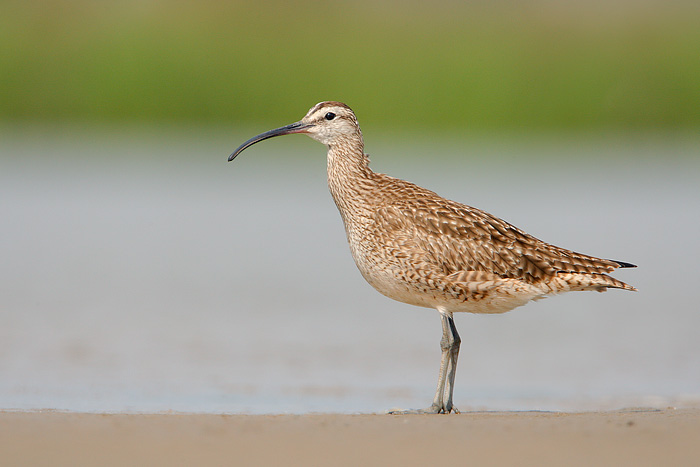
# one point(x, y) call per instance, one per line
point(297, 127)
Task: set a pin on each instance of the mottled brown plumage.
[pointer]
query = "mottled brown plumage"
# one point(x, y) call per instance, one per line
point(419, 248)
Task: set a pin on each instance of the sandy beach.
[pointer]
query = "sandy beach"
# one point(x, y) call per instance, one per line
point(625, 437)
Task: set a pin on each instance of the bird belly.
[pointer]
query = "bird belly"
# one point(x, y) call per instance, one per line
point(476, 297)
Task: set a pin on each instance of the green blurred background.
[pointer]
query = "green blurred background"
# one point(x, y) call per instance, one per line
point(564, 65)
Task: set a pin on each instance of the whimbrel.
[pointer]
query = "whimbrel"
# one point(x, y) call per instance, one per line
point(419, 248)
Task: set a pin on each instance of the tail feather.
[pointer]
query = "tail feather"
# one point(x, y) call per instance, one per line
point(613, 283)
point(622, 264)
point(569, 282)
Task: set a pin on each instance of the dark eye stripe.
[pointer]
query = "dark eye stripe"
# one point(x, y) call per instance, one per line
point(330, 116)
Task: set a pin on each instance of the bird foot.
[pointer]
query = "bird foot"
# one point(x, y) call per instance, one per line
point(433, 409)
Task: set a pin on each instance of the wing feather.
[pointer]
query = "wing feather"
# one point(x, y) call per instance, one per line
point(455, 238)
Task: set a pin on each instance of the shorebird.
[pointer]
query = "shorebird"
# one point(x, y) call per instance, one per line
point(419, 248)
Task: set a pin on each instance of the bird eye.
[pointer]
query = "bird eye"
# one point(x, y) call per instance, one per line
point(330, 116)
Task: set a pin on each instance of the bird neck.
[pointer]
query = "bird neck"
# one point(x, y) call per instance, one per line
point(349, 175)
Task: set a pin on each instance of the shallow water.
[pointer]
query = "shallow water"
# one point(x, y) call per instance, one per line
point(147, 274)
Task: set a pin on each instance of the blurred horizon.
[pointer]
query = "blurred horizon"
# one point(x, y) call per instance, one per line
point(478, 67)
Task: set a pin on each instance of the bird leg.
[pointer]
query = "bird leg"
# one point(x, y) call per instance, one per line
point(453, 342)
point(442, 403)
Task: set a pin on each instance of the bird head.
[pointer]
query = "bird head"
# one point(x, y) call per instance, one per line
point(327, 122)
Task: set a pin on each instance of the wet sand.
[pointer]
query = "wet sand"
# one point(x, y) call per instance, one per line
point(625, 437)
